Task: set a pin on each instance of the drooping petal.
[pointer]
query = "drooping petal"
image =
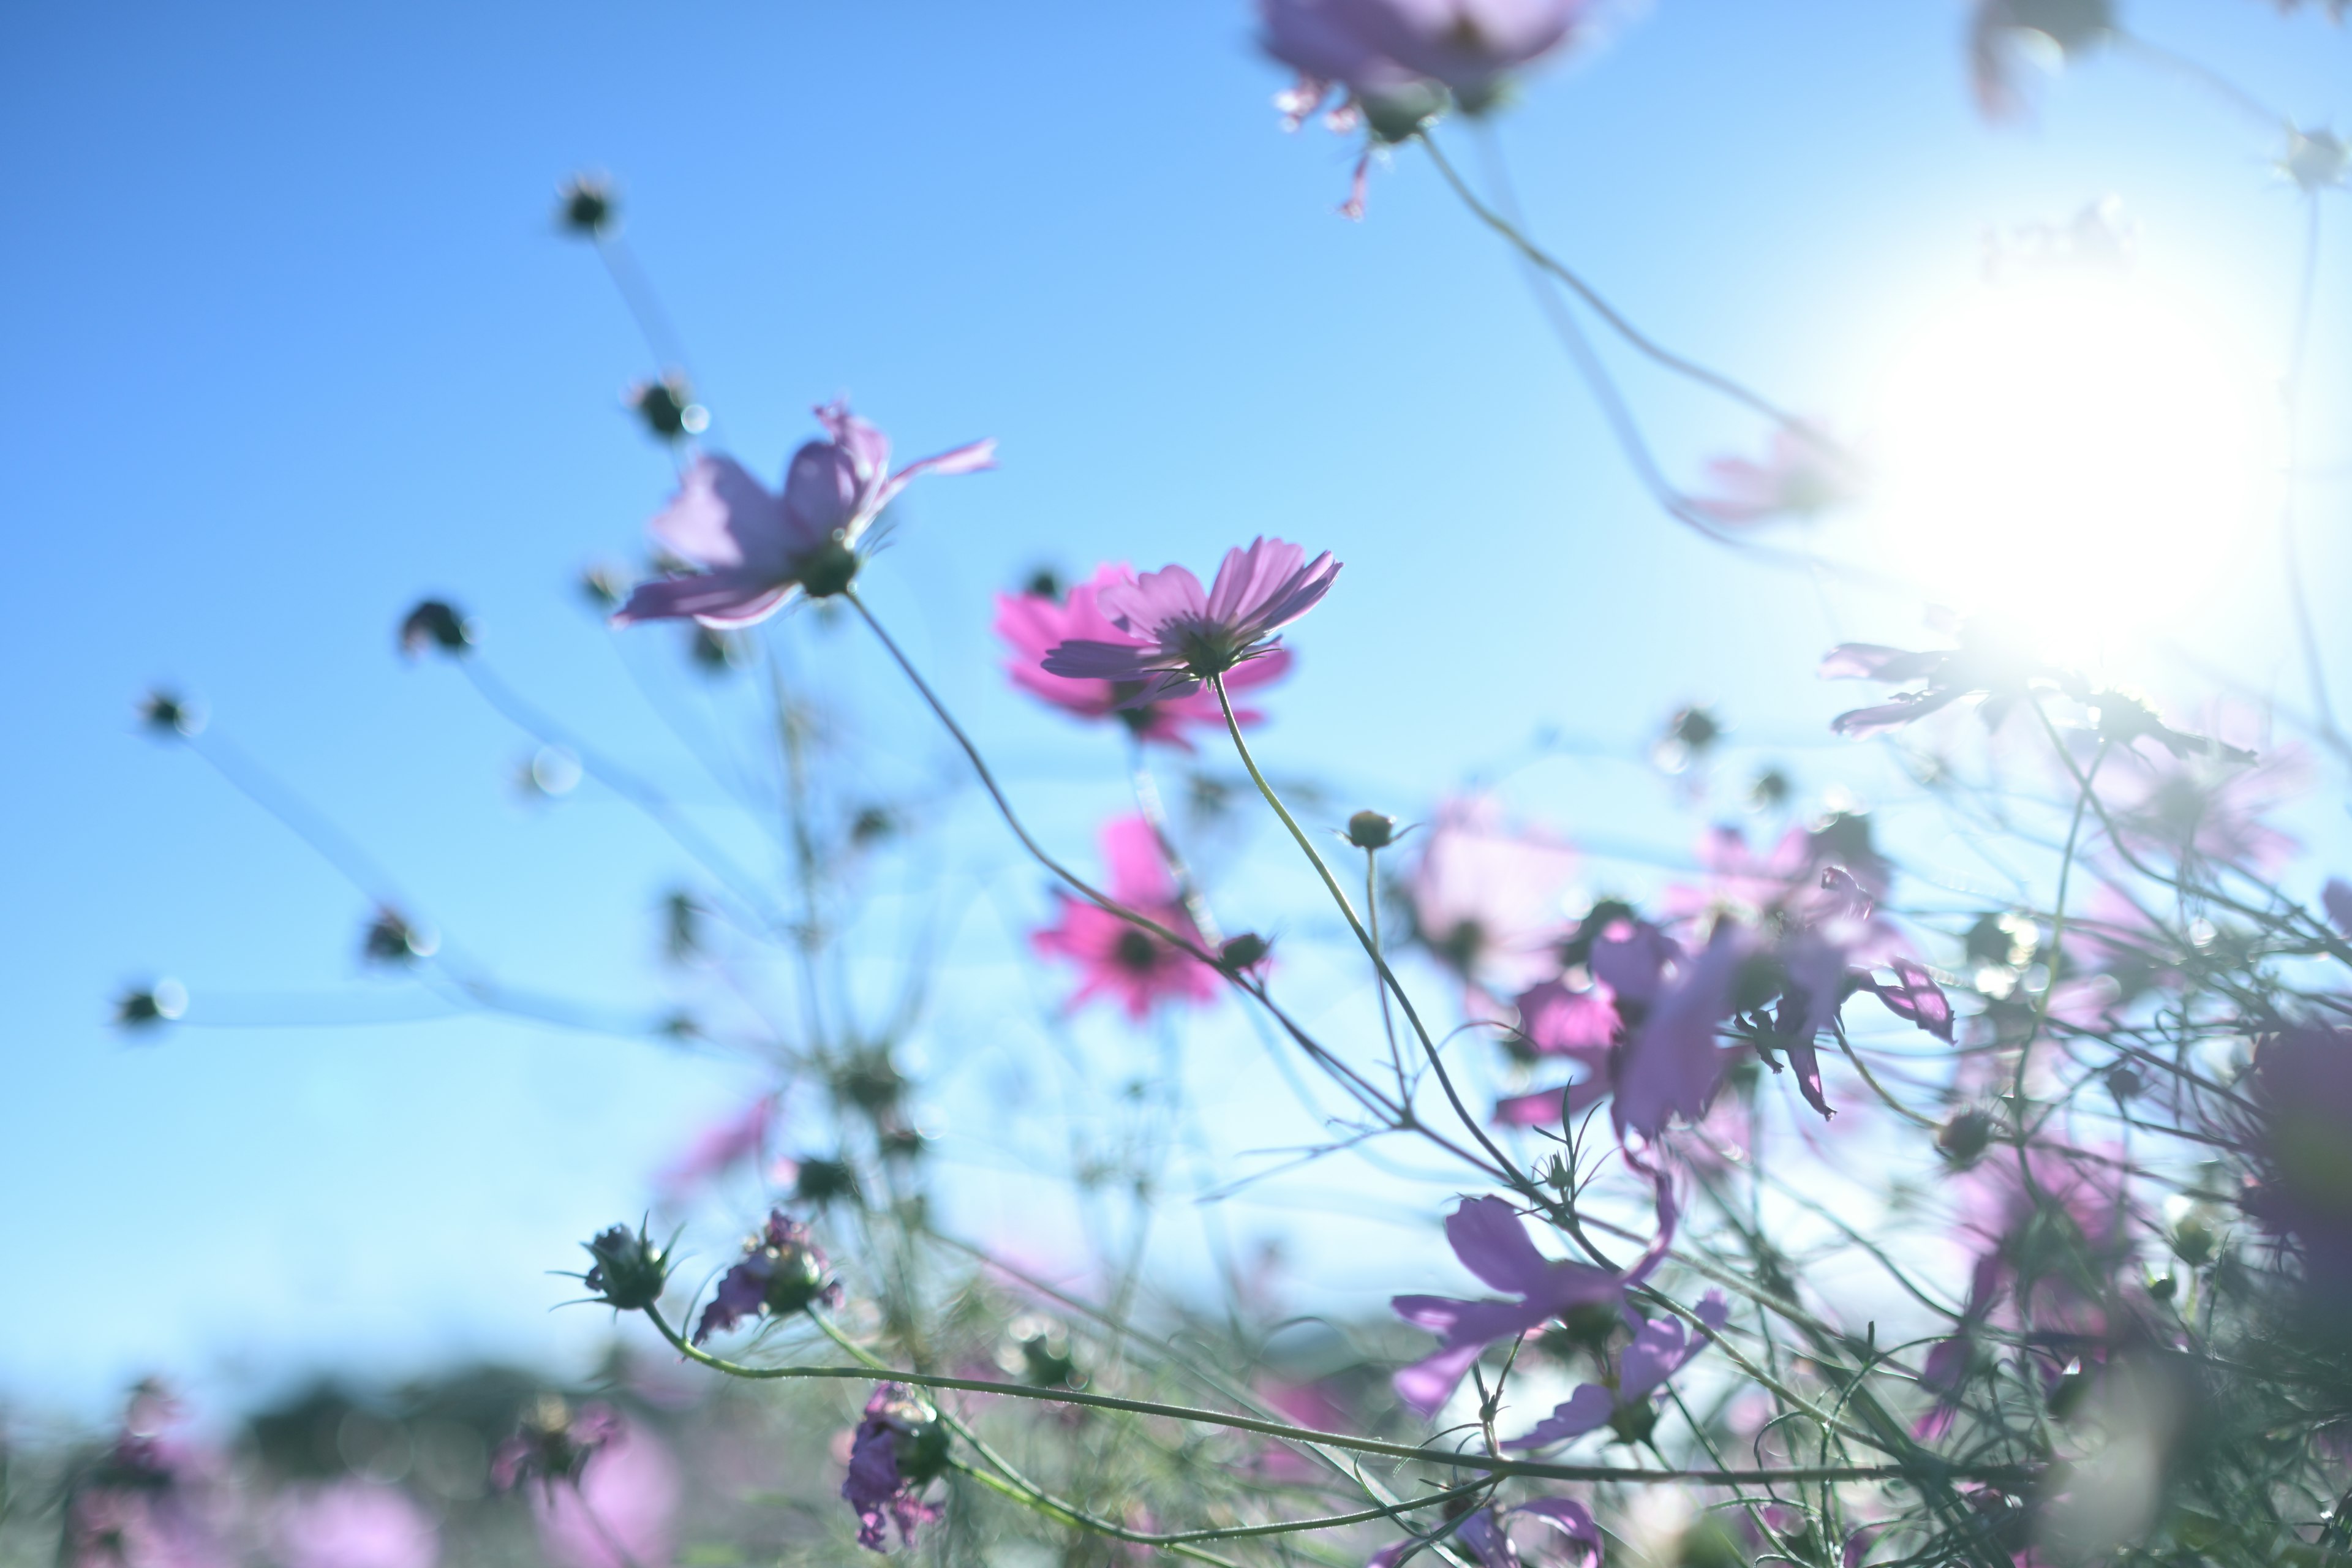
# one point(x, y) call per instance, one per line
point(1572, 1519)
point(730, 598)
point(1860, 723)
point(1491, 1240)
point(1916, 997)
point(968, 459)
point(1586, 1410)
point(721, 517)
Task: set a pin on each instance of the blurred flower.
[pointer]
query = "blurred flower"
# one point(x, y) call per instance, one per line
point(782, 1272)
point(167, 713)
point(554, 1444)
point(1384, 49)
point(150, 1500)
point(1486, 898)
point(1659, 1348)
point(1116, 958)
point(1169, 636)
point(1803, 475)
point(824, 1181)
point(1033, 625)
point(755, 548)
point(435, 624)
point(1485, 1535)
point(2336, 897)
point(1672, 1064)
point(2302, 1141)
point(143, 1006)
point(620, 1511)
point(2315, 160)
point(2053, 30)
point(2201, 812)
point(391, 939)
point(1491, 1241)
point(1983, 665)
point(1371, 830)
point(720, 1146)
point(353, 1524)
point(667, 407)
point(900, 1449)
point(585, 206)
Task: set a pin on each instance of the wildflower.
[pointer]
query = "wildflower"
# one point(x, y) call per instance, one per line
point(2001, 27)
point(1672, 1063)
point(1915, 996)
point(1489, 1238)
point(1169, 635)
point(1803, 475)
point(900, 1449)
point(1116, 958)
point(1661, 1346)
point(782, 1271)
point(630, 1272)
point(1983, 666)
point(353, 1524)
point(1486, 898)
point(435, 624)
point(149, 1501)
point(620, 1510)
point(755, 549)
point(720, 1146)
point(1033, 625)
point(1627, 959)
point(2199, 810)
point(1485, 1535)
point(554, 1444)
point(1380, 50)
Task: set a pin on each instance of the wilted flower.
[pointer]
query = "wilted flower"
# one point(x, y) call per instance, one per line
point(1485, 1534)
point(2002, 28)
point(1803, 474)
point(554, 1444)
point(1167, 636)
point(1491, 1241)
point(755, 549)
point(1660, 1347)
point(900, 1449)
point(1116, 958)
point(585, 206)
point(353, 1524)
point(1486, 898)
point(435, 624)
point(1033, 625)
point(784, 1271)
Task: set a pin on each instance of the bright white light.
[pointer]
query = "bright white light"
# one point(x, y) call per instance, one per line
point(2078, 455)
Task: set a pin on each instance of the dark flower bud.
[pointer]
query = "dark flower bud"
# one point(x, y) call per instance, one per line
point(1397, 115)
point(585, 206)
point(1246, 950)
point(827, 570)
point(668, 406)
point(435, 624)
point(2316, 159)
point(630, 1272)
point(1043, 582)
point(167, 713)
point(823, 1182)
point(1965, 1137)
point(603, 586)
point(870, 1081)
point(1370, 830)
point(390, 939)
point(871, 825)
point(1635, 1422)
point(716, 652)
point(1772, 790)
point(144, 1006)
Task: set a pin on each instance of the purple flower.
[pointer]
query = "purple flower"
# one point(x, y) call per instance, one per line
point(900, 1449)
point(1487, 1236)
point(1672, 1063)
point(620, 1513)
point(1981, 665)
point(1661, 1346)
point(554, 1444)
point(1169, 635)
point(1381, 48)
point(1487, 897)
point(782, 1272)
point(1913, 994)
point(149, 1502)
point(354, 1524)
point(1033, 625)
point(2302, 1142)
point(754, 548)
point(1485, 1534)
point(1803, 475)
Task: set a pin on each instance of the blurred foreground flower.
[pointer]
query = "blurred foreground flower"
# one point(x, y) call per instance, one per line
point(1033, 624)
point(1116, 958)
point(1486, 898)
point(353, 1524)
point(1167, 636)
point(619, 1512)
point(756, 547)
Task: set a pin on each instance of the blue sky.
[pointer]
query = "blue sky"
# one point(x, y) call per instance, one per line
point(295, 341)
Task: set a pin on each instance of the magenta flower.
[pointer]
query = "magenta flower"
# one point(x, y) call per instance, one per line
point(150, 1500)
point(1629, 960)
point(1661, 1346)
point(1486, 898)
point(621, 1512)
point(754, 549)
point(720, 1146)
point(1803, 474)
point(1485, 1535)
point(1488, 1236)
point(782, 1271)
point(1913, 994)
point(898, 1449)
point(1116, 958)
point(1167, 636)
point(1033, 625)
point(354, 1524)
point(554, 1444)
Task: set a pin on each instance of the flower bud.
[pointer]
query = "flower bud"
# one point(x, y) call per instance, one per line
point(585, 206)
point(1371, 830)
point(1246, 950)
point(435, 624)
point(1964, 1137)
point(143, 1007)
point(390, 940)
point(603, 586)
point(668, 406)
point(630, 1272)
point(168, 714)
point(823, 1181)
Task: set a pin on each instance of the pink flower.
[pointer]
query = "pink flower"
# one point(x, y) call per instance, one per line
point(1116, 958)
point(1167, 636)
point(720, 1146)
point(1486, 898)
point(1033, 625)
point(619, 1514)
point(354, 1524)
point(1803, 475)
point(1378, 47)
point(1672, 1064)
point(754, 548)
point(1491, 1241)
point(1659, 1348)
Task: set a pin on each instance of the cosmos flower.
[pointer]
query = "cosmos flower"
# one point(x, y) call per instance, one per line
point(554, 1444)
point(2302, 1141)
point(622, 1512)
point(1803, 474)
point(354, 1523)
point(754, 549)
point(1381, 48)
point(1672, 1064)
point(720, 1146)
point(1661, 1346)
point(1485, 1535)
point(1116, 958)
point(1489, 1238)
point(1033, 624)
point(782, 1271)
point(150, 1500)
point(1983, 665)
point(898, 1449)
point(1167, 636)
point(1487, 897)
